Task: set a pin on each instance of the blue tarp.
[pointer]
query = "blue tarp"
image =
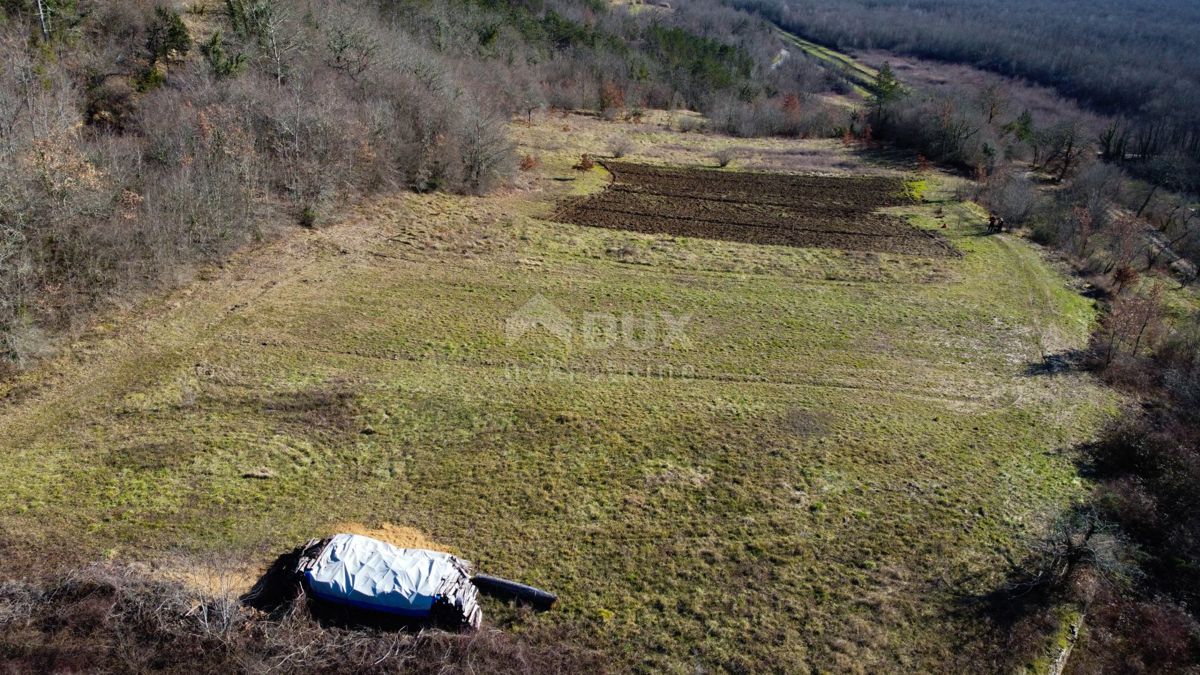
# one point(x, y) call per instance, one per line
point(368, 573)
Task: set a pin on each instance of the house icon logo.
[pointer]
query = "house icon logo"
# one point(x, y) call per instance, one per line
point(538, 312)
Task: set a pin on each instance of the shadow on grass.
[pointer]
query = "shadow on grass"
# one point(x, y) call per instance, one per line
point(890, 157)
point(1066, 361)
point(1010, 621)
point(279, 587)
point(1010, 624)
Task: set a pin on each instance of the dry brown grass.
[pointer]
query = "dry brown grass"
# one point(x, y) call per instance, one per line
point(116, 619)
point(396, 535)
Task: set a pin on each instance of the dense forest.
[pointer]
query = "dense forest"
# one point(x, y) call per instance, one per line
point(1136, 61)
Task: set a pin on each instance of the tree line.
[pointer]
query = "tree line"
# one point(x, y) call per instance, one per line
point(1135, 61)
point(1129, 554)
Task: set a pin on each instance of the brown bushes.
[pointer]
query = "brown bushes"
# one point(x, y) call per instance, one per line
point(1148, 465)
point(114, 619)
point(1131, 330)
point(620, 145)
point(1008, 194)
point(1137, 637)
point(292, 120)
point(812, 119)
point(612, 99)
point(1151, 467)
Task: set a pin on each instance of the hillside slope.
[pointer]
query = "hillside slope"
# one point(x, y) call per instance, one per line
point(838, 447)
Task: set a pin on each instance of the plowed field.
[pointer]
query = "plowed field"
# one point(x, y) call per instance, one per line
point(756, 208)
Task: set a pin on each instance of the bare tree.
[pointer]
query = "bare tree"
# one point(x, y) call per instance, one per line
point(270, 25)
point(1126, 241)
point(486, 150)
point(1065, 147)
point(993, 101)
point(1134, 324)
point(351, 49)
point(44, 19)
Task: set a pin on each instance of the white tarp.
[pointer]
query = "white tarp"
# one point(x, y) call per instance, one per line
point(361, 571)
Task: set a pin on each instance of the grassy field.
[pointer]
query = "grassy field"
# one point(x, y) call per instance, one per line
point(794, 456)
point(861, 76)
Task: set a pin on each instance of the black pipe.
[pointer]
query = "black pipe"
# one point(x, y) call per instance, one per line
point(505, 589)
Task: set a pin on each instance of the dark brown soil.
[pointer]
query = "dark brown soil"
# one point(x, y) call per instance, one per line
point(756, 208)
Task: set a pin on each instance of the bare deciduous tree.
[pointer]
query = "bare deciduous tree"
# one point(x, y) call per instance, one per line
point(486, 150)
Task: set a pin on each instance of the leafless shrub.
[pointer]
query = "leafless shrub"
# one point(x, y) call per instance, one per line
point(620, 145)
point(19, 601)
point(1011, 196)
point(1154, 636)
point(1080, 557)
point(687, 123)
point(724, 156)
point(1080, 539)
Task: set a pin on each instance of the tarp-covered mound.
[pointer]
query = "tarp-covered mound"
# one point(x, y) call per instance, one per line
point(362, 572)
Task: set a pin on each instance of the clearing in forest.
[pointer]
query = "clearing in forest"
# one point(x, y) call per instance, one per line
point(720, 455)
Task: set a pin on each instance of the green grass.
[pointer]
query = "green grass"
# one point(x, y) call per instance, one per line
point(808, 480)
point(862, 77)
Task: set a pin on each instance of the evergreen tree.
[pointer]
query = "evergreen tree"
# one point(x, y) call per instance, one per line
point(167, 34)
point(885, 90)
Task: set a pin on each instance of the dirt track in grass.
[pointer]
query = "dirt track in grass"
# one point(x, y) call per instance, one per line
point(758, 208)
